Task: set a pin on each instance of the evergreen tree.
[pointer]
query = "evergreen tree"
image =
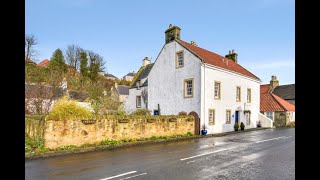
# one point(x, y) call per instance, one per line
point(57, 61)
point(83, 64)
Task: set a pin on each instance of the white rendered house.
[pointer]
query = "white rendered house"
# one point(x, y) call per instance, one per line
point(187, 78)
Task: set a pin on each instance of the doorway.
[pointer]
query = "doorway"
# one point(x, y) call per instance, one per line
point(196, 122)
point(237, 117)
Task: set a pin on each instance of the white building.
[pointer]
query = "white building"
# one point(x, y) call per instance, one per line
point(187, 78)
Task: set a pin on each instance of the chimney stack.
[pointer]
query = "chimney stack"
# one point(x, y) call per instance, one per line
point(145, 61)
point(273, 83)
point(172, 33)
point(193, 43)
point(233, 56)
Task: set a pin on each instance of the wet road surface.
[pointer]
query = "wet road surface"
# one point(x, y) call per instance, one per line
point(264, 154)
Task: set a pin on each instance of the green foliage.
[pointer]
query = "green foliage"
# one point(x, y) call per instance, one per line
point(57, 61)
point(68, 147)
point(236, 126)
point(110, 142)
point(105, 105)
point(34, 144)
point(83, 64)
point(242, 125)
point(141, 112)
point(65, 109)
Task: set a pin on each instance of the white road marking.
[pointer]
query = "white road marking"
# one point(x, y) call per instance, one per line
point(207, 153)
point(119, 175)
point(282, 137)
point(191, 161)
point(134, 176)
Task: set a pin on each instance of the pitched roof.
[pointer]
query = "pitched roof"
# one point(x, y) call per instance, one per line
point(110, 75)
point(216, 60)
point(264, 88)
point(44, 63)
point(123, 90)
point(270, 102)
point(285, 91)
point(130, 74)
point(142, 75)
point(285, 104)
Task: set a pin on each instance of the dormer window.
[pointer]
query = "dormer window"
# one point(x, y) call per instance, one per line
point(179, 59)
point(138, 84)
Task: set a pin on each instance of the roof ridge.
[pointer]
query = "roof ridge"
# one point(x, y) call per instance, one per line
point(251, 75)
point(273, 95)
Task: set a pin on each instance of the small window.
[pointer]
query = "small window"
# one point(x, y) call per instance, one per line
point(269, 115)
point(217, 90)
point(249, 95)
point(211, 116)
point(180, 59)
point(248, 118)
point(228, 117)
point(238, 98)
point(156, 112)
point(138, 84)
point(188, 88)
point(138, 102)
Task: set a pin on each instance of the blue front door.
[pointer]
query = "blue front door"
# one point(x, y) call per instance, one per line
point(237, 117)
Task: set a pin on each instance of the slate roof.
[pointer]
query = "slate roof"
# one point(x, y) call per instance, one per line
point(285, 91)
point(143, 74)
point(216, 60)
point(123, 90)
point(130, 74)
point(110, 75)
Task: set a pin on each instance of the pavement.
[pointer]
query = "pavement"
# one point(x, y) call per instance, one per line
point(264, 154)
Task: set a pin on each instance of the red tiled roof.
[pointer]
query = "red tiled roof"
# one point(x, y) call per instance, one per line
point(216, 60)
point(271, 102)
point(44, 63)
point(264, 88)
point(285, 104)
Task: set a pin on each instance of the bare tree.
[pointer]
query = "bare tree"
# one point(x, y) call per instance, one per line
point(73, 56)
point(95, 58)
point(30, 42)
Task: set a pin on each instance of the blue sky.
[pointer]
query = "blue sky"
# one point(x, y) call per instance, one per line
point(125, 31)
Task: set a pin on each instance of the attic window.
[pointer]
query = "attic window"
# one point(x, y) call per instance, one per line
point(138, 84)
point(179, 59)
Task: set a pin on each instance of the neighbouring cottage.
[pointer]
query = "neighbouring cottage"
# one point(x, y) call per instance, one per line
point(129, 76)
point(110, 76)
point(185, 78)
point(279, 110)
point(120, 91)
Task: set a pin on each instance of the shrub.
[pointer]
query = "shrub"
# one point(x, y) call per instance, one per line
point(291, 124)
point(141, 112)
point(236, 126)
point(189, 134)
point(68, 109)
point(242, 126)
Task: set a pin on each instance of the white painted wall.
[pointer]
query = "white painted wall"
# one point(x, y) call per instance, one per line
point(229, 82)
point(265, 121)
point(130, 103)
point(166, 83)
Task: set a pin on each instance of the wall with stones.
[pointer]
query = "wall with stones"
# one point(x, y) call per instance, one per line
point(78, 132)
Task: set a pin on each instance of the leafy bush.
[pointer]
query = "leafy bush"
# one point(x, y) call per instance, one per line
point(141, 112)
point(291, 124)
point(236, 126)
point(242, 126)
point(110, 142)
point(189, 134)
point(108, 105)
point(68, 109)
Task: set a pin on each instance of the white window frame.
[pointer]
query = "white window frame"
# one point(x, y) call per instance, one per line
point(238, 100)
point(178, 65)
point(249, 95)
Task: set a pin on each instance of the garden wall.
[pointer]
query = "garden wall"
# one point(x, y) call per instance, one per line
point(78, 132)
